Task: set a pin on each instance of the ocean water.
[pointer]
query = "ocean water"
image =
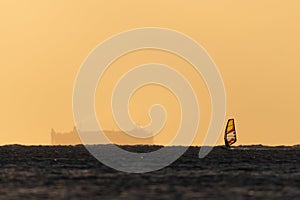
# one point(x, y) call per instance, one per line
point(70, 172)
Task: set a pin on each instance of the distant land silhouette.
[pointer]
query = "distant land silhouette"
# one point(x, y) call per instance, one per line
point(116, 137)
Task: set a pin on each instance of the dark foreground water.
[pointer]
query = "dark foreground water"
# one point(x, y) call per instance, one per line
point(70, 172)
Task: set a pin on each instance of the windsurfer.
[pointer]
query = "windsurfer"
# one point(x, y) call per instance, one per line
point(227, 144)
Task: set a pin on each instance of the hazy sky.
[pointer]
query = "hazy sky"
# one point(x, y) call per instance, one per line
point(255, 44)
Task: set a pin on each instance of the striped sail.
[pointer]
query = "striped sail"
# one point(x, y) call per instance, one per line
point(230, 133)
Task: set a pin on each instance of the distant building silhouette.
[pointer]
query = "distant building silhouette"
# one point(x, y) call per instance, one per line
point(68, 138)
point(116, 137)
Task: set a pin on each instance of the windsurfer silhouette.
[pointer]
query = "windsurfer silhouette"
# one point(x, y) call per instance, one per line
point(227, 144)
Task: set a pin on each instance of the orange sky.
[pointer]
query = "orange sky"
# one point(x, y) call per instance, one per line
point(255, 44)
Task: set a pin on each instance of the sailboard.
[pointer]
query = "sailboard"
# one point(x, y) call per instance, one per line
point(230, 133)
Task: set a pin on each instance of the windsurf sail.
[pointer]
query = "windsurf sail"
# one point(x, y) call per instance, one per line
point(230, 133)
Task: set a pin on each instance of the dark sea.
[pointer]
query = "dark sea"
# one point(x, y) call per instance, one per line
point(70, 172)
